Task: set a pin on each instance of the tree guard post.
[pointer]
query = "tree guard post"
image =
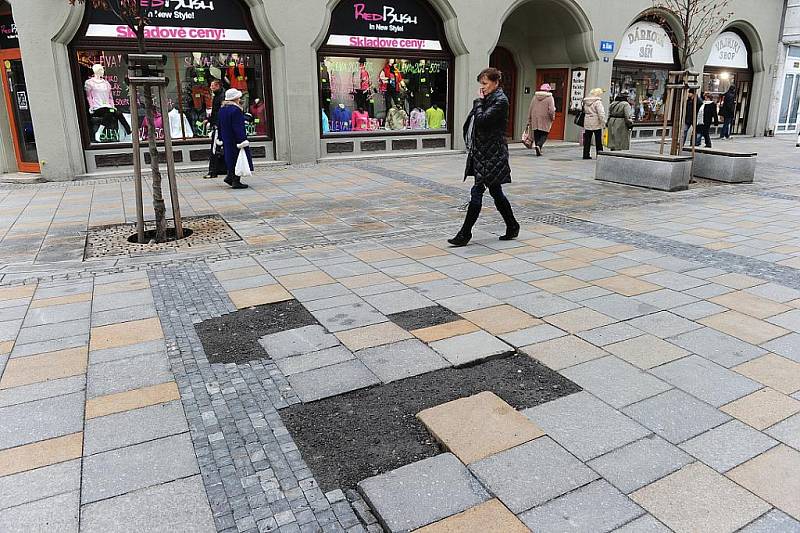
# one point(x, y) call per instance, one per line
point(137, 162)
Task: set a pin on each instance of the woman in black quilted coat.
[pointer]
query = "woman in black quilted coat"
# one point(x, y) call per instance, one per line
point(487, 156)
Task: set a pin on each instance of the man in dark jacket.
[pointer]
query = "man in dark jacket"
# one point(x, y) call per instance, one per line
point(690, 110)
point(706, 117)
point(215, 162)
point(727, 112)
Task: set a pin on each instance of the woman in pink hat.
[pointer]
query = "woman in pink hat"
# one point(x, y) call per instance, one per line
point(541, 114)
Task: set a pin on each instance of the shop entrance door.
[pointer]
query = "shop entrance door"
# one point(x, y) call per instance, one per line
point(19, 112)
point(558, 78)
point(503, 60)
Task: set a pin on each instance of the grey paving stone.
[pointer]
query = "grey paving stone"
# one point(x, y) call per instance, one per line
point(41, 419)
point(321, 292)
point(466, 271)
point(542, 303)
point(584, 425)
point(248, 282)
point(107, 355)
point(532, 335)
point(619, 307)
point(180, 505)
point(469, 302)
point(124, 470)
point(614, 381)
point(124, 314)
point(675, 264)
point(586, 293)
point(508, 289)
point(728, 445)
point(664, 324)
point(348, 317)
point(40, 316)
point(512, 267)
point(52, 345)
point(54, 290)
point(14, 313)
point(644, 524)
point(401, 360)
point(127, 374)
point(705, 273)
point(383, 288)
point(789, 320)
point(57, 513)
point(28, 335)
point(535, 275)
point(605, 335)
point(591, 273)
point(531, 474)
point(597, 507)
point(718, 347)
point(673, 280)
point(787, 431)
point(336, 301)
point(132, 427)
point(676, 416)
point(466, 349)
point(311, 361)
point(332, 380)
point(443, 288)
point(706, 380)
point(787, 346)
point(397, 302)
point(709, 290)
point(422, 493)
point(298, 341)
point(774, 521)
point(44, 482)
point(104, 302)
point(640, 463)
point(775, 292)
point(40, 391)
point(698, 310)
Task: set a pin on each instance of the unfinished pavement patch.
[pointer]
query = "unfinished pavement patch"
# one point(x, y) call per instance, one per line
point(367, 432)
point(424, 318)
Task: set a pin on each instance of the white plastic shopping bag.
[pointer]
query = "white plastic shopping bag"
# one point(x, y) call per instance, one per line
point(243, 165)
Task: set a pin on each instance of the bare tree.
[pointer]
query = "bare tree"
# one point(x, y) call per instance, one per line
point(699, 21)
point(131, 13)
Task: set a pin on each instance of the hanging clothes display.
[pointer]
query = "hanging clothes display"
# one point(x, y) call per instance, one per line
point(435, 117)
point(259, 112)
point(175, 130)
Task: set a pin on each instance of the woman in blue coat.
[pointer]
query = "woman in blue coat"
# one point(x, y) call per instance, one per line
point(233, 135)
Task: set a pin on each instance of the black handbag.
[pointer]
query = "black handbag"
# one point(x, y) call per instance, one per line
point(580, 118)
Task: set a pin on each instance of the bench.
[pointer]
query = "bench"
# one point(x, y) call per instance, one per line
point(653, 171)
point(722, 165)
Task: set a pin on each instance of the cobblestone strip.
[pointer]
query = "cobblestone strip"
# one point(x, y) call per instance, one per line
point(253, 473)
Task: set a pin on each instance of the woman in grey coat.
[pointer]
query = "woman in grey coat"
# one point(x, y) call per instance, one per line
point(620, 123)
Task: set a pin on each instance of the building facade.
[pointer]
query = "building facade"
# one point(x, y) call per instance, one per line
point(784, 119)
point(348, 78)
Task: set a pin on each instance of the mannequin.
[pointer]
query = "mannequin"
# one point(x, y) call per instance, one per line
point(259, 112)
point(175, 130)
point(326, 92)
point(418, 119)
point(435, 117)
point(397, 118)
point(340, 121)
point(360, 120)
point(237, 77)
point(362, 88)
point(391, 82)
point(101, 105)
point(198, 76)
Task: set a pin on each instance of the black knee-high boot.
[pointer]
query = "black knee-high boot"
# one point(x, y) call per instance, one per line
point(465, 233)
point(512, 226)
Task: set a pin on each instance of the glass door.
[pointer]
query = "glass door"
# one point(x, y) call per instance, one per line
point(19, 111)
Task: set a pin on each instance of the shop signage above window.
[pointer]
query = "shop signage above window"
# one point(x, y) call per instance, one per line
point(194, 20)
point(8, 33)
point(381, 24)
point(646, 42)
point(729, 51)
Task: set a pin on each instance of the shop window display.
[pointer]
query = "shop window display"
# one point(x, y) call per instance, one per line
point(367, 95)
point(646, 89)
point(106, 97)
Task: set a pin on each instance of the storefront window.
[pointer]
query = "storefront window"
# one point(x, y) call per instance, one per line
point(645, 87)
point(362, 95)
point(106, 97)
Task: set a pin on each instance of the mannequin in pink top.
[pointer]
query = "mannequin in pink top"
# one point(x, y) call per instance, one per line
point(101, 105)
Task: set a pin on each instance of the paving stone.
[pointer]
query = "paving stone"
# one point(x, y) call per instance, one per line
point(314, 360)
point(698, 310)
point(445, 331)
point(531, 474)
point(348, 317)
point(23, 371)
point(332, 380)
point(610, 334)
point(750, 304)
point(774, 371)
point(666, 299)
point(298, 341)
point(787, 346)
point(41, 419)
point(321, 292)
point(675, 415)
point(397, 302)
point(40, 483)
point(134, 399)
point(54, 314)
point(127, 374)
point(422, 493)
point(57, 513)
point(112, 354)
point(673, 280)
point(132, 427)
point(469, 302)
point(775, 292)
point(763, 408)
point(469, 348)
point(615, 381)
point(595, 507)
point(563, 352)
point(532, 335)
point(584, 425)
point(336, 301)
point(664, 324)
point(586, 293)
point(773, 477)
point(41, 391)
point(401, 360)
point(787, 431)
point(644, 524)
point(488, 517)
point(28, 335)
point(541, 304)
point(789, 320)
point(501, 319)
point(444, 288)
point(744, 327)
point(728, 445)
point(578, 320)
point(774, 521)
point(507, 289)
point(178, 505)
point(619, 307)
point(476, 427)
point(706, 380)
point(718, 347)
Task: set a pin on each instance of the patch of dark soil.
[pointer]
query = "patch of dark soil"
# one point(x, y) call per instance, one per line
point(423, 318)
point(348, 438)
point(233, 338)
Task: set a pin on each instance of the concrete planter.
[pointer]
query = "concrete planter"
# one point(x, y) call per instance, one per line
point(721, 165)
point(660, 172)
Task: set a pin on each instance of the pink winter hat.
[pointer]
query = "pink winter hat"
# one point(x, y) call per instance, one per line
point(545, 87)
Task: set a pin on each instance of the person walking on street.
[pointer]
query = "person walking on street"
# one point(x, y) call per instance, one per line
point(620, 123)
point(487, 156)
point(233, 135)
point(727, 112)
point(690, 109)
point(541, 114)
point(594, 122)
point(705, 118)
point(214, 158)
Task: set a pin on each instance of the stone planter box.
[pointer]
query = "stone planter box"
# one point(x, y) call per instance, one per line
point(653, 171)
point(721, 165)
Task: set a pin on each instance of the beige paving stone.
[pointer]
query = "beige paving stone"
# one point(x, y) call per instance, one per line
point(544, 229)
point(374, 335)
point(239, 273)
point(563, 352)
point(762, 408)
point(786, 249)
point(744, 327)
point(62, 300)
point(646, 351)
point(485, 281)
point(132, 399)
point(541, 242)
point(305, 280)
point(380, 254)
point(14, 293)
point(585, 254)
point(737, 281)
point(267, 294)
point(264, 239)
point(422, 252)
point(719, 245)
point(773, 371)
point(421, 278)
point(125, 333)
point(750, 304)
point(501, 319)
point(44, 367)
point(6, 347)
point(491, 258)
point(774, 476)
point(617, 249)
point(122, 286)
point(445, 331)
point(697, 499)
point(365, 280)
point(42, 453)
point(559, 284)
point(560, 265)
point(794, 262)
point(578, 320)
point(626, 285)
point(710, 233)
point(520, 250)
point(639, 270)
point(488, 517)
point(476, 427)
